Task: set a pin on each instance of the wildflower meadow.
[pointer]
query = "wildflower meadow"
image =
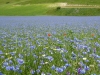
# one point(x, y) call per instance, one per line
point(49, 50)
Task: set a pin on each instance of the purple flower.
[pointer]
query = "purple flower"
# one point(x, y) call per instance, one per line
point(20, 61)
point(86, 68)
point(68, 73)
point(78, 70)
point(81, 71)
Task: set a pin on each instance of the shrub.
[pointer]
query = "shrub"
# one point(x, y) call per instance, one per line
point(58, 8)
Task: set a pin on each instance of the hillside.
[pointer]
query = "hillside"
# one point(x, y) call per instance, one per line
point(86, 2)
point(50, 7)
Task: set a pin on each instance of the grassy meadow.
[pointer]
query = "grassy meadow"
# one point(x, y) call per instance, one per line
point(49, 50)
point(41, 7)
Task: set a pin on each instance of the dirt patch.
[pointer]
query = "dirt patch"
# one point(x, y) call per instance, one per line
point(58, 4)
point(65, 5)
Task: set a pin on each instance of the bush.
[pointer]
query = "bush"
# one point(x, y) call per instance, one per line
point(7, 2)
point(58, 8)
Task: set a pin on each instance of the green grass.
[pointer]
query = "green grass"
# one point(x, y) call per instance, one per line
point(23, 10)
point(38, 7)
point(75, 11)
point(94, 2)
point(33, 10)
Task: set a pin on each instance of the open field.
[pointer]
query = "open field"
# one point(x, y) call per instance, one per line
point(37, 47)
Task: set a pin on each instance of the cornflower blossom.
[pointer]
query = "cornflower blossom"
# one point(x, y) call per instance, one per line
point(67, 65)
point(5, 64)
point(65, 60)
point(32, 47)
point(94, 50)
point(63, 67)
point(1, 52)
point(97, 44)
point(20, 56)
point(20, 61)
point(1, 73)
point(10, 68)
point(39, 67)
point(32, 72)
point(81, 71)
point(38, 70)
point(59, 70)
point(86, 68)
point(53, 67)
point(12, 53)
point(50, 58)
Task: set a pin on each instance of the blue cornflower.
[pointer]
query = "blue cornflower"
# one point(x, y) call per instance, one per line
point(32, 72)
point(49, 74)
point(20, 61)
point(1, 73)
point(50, 58)
point(97, 44)
point(86, 68)
point(81, 71)
point(10, 61)
point(84, 53)
point(19, 71)
point(65, 60)
point(32, 47)
point(39, 67)
point(98, 61)
point(73, 54)
point(63, 67)
point(5, 64)
point(59, 70)
point(81, 63)
point(1, 52)
point(20, 56)
point(67, 65)
point(17, 67)
point(10, 68)
point(38, 70)
point(12, 53)
point(53, 67)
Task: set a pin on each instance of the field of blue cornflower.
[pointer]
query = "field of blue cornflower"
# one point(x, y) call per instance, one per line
point(49, 50)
